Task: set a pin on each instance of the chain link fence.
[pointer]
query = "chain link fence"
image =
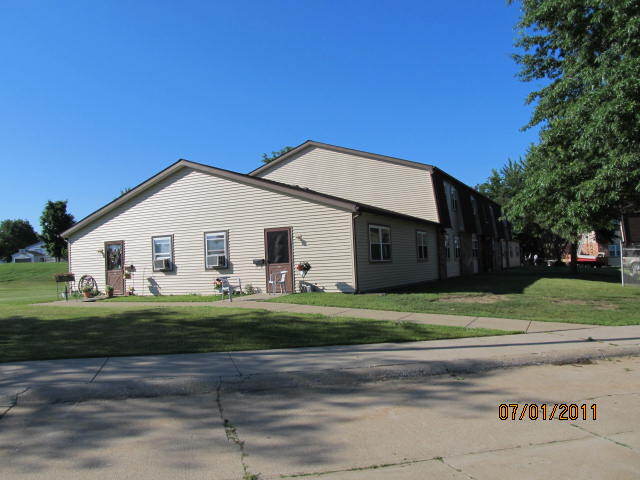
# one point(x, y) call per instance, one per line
point(630, 266)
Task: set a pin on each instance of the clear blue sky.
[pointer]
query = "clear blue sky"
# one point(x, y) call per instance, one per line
point(98, 96)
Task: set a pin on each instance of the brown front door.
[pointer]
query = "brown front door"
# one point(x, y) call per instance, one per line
point(114, 266)
point(278, 256)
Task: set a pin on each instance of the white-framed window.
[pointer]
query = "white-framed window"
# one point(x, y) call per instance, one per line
point(474, 206)
point(614, 250)
point(456, 246)
point(475, 248)
point(422, 248)
point(454, 199)
point(379, 243)
point(162, 253)
point(216, 251)
point(447, 246)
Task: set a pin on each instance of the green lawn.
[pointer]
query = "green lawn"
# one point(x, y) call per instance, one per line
point(545, 294)
point(24, 283)
point(45, 332)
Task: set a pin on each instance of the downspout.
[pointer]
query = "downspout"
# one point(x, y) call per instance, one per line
point(68, 256)
point(354, 242)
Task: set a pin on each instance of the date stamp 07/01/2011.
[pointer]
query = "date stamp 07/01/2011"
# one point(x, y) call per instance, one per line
point(547, 411)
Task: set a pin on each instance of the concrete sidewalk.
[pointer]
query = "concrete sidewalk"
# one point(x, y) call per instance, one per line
point(147, 376)
point(251, 302)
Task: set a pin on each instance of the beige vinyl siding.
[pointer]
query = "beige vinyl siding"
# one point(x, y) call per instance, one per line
point(189, 203)
point(404, 267)
point(399, 188)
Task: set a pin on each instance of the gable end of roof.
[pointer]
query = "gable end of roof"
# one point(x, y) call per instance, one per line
point(336, 148)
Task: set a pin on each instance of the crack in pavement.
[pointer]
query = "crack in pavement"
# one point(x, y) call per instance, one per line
point(474, 319)
point(232, 436)
point(14, 402)
point(99, 369)
point(439, 458)
point(623, 394)
point(233, 362)
point(457, 469)
point(359, 469)
point(603, 437)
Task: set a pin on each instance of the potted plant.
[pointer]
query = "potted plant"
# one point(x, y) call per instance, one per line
point(131, 291)
point(217, 284)
point(303, 268)
point(87, 291)
point(109, 290)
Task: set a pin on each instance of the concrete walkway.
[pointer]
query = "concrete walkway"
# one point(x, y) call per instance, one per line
point(154, 375)
point(253, 302)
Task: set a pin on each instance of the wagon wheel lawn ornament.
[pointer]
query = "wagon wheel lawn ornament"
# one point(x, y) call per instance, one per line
point(87, 281)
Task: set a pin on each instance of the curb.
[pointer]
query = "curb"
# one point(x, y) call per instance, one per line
point(180, 386)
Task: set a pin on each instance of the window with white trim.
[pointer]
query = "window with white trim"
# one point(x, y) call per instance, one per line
point(216, 251)
point(162, 253)
point(456, 246)
point(379, 243)
point(422, 245)
point(475, 247)
point(454, 199)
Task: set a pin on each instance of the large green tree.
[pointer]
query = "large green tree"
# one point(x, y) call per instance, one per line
point(54, 220)
point(14, 235)
point(585, 169)
point(502, 186)
point(266, 158)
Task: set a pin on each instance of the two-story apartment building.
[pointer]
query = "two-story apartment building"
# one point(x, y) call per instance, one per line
point(362, 221)
point(472, 238)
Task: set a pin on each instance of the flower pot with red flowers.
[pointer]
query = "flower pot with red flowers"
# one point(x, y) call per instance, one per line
point(303, 268)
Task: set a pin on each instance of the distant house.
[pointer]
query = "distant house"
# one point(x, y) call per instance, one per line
point(32, 254)
point(363, 222)
point(627, 235)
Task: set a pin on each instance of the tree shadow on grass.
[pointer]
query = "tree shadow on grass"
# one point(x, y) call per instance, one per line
point(88, 332)
point(511, 281)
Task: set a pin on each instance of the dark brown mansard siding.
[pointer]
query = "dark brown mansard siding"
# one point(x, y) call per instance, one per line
point(467, 211)
point(441, 201)
point(486, 223)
